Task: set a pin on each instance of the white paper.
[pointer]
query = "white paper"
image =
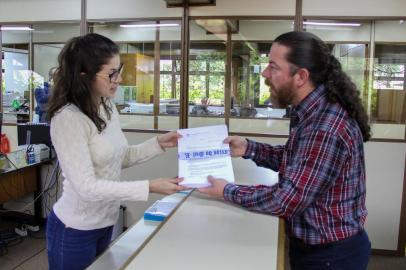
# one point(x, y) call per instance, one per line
point(201, 152)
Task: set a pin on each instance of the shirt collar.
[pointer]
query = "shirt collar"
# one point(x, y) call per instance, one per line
point(307, 105)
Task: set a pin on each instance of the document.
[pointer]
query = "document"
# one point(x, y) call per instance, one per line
point(201, 152)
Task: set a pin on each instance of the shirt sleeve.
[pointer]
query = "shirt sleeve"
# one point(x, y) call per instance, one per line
point(70, 133)
point(142, 152)
point(316, 164)
point(264, 155)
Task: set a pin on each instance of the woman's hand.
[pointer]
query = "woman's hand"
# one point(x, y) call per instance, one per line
point(169, 139)
point(166, 186)
point(238, 145)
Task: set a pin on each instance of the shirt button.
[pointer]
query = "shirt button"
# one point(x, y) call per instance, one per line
point(252, 154)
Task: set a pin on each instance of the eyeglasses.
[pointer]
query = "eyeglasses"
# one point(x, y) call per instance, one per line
point(113, 77)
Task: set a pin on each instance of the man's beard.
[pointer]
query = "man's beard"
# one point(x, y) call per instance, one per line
point(282, 97)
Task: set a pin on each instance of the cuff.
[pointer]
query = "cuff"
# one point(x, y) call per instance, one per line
point(251, 150)
point(229, 191)
point(139, 190)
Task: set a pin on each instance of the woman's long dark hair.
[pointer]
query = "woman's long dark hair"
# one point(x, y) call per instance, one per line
point(310, 52)
point(79, 61)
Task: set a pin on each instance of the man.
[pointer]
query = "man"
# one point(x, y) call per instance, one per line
point(41, 94)
point(321, 187)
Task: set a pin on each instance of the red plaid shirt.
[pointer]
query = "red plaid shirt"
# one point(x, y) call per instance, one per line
point(321, 187)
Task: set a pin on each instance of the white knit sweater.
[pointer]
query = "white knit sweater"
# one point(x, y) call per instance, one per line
point(91, 164)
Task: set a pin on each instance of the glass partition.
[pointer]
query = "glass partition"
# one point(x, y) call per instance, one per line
point(17, 82)
point(148, 97)
point(388, 93)
point(251, 109)
point(207, 61)
point(48, 41)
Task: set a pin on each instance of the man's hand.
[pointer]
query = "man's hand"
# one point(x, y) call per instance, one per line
point(216, 189)
point(169, 139)
point(166, 186)
point(238, 145)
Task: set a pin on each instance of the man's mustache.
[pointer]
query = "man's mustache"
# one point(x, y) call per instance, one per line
point(268, 82)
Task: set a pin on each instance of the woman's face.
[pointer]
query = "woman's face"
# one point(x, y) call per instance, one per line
point(108, 78)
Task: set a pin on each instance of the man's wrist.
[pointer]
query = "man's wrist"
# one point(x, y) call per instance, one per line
point(249, 150)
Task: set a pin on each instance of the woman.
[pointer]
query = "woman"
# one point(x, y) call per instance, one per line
point(92, 150)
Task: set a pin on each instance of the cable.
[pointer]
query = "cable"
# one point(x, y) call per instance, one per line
point(36, 198)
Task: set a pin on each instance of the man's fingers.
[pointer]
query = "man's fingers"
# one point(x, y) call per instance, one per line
point(227, 140)
point(210, 179)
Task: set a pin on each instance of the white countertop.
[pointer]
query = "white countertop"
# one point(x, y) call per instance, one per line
point(202, 233)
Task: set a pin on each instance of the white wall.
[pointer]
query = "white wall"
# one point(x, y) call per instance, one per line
point(55, 32)
point(390, 31)
point(39, 10)
point(15, 37)
point(342, 33)
point(262, 30)
point(45, 57)
point(244, 7)
point(354, 8)
point(117, 33)
point(103, 9)
point(385, 164)
point(248, 30)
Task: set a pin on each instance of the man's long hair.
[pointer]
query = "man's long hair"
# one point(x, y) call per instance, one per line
point(79, 61)
point(310, 52)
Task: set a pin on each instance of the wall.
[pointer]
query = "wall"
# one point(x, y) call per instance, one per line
point(117, 33)
point(39, 10)
point(390, 31)
point(46, 55)
point(103, 9)
point(354, 8)
point(246, 8)
point(385, 164)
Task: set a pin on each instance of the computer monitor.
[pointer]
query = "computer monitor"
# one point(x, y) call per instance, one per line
point(37, 133)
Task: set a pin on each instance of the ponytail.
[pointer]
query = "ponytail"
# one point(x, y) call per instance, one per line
point(341, 89)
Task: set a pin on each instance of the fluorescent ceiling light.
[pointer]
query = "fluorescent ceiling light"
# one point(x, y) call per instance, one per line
point(332, 24)
point(16, 28)
point(148, 25)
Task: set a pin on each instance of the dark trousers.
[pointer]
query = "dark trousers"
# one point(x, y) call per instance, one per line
point(348, 254)
point(71, 249)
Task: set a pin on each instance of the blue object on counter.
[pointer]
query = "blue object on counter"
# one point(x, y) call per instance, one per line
point(159, 210)
point(30, 157)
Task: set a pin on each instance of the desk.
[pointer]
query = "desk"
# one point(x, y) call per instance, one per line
point(16, 183)
point(202, 234)
point(209, 234)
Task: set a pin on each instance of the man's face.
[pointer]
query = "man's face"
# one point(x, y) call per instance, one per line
point(278, 77)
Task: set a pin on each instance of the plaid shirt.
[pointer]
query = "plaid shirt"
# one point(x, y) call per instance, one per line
point(321, 187)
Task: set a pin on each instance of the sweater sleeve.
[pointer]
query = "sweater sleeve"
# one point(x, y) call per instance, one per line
point(71, 133)
point(142, 152)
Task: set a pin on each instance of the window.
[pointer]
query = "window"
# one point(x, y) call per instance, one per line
point(150, 52)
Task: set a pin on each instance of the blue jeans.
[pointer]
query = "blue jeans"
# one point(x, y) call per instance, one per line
point(71, 249)
point(348, 254)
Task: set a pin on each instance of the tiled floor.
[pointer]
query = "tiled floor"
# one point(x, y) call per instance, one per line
point(31, 255)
